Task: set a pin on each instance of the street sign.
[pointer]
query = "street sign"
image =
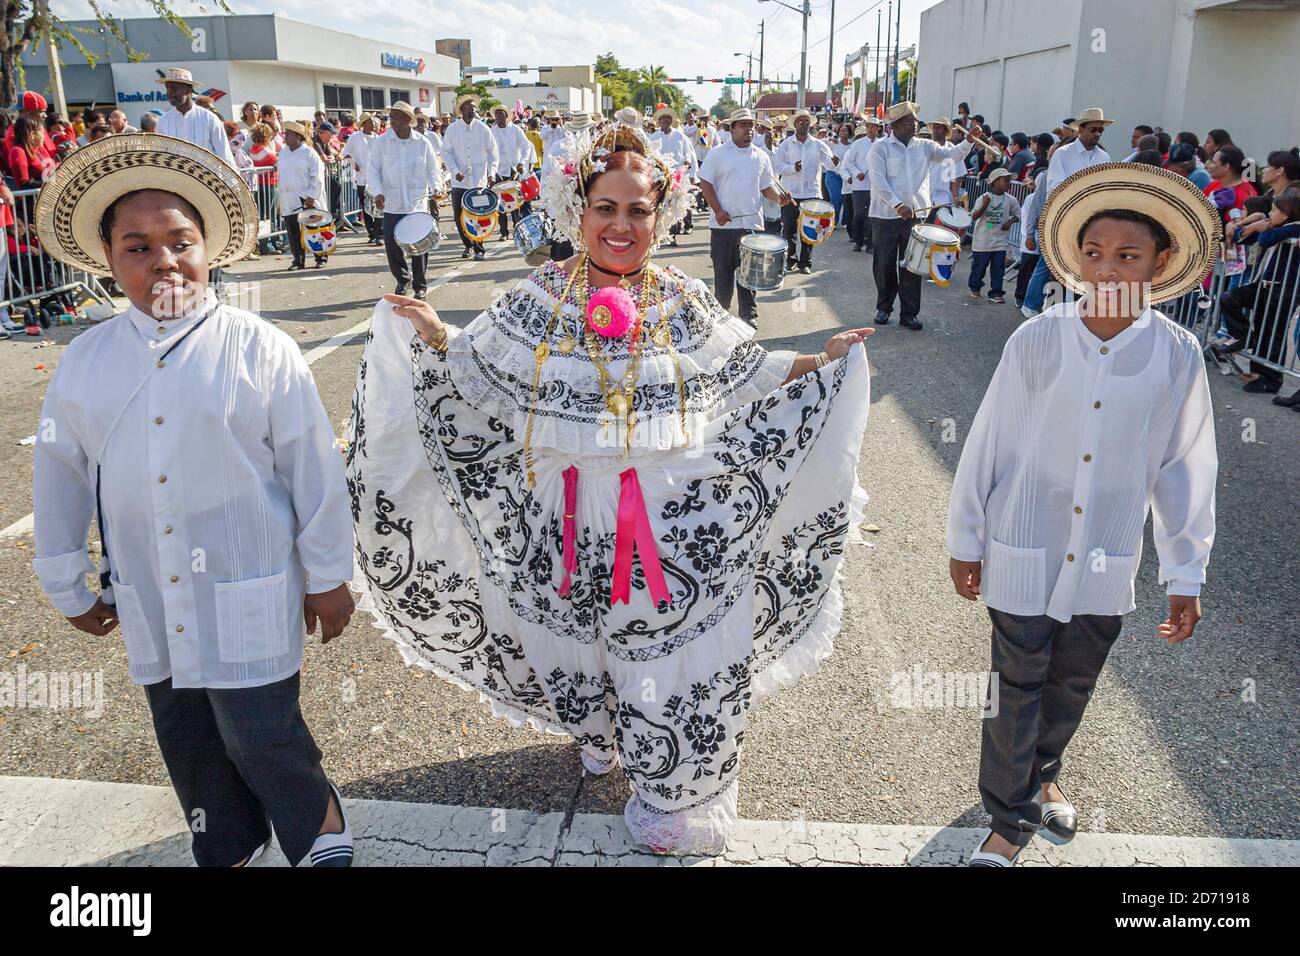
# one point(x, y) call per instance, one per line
point(732, 80)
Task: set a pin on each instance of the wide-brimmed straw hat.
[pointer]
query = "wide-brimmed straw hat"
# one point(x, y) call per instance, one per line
point(1172, 200)
point(577, 122)
point(1093, 115)
point(72, 202)
point(178, 75)
point(664, 111)
point(899, 110)
point(401, 106)
point(467, 98)
point(302, 129)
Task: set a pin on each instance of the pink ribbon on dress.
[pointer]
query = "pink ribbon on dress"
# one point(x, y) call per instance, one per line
point(634, 532)
point(570, 528)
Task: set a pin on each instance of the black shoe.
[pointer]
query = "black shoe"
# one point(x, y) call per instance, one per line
point(401, 289)
point(466, 254)
point(294, 266)
point(1060, 822)
point(672, 243)
point(419, 294)
point(1227, 349)
point(320, 263)
point(1291, 401)
point(857, 247)
point(882, 318)
point(910, 323)
point(805, 268)
point(1263, 386)
point(479, 255)
point(790, 264)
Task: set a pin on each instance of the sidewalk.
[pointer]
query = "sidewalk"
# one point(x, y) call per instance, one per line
point(78, 823)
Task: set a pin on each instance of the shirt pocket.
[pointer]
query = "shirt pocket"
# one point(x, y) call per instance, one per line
point(894, 166)
point(252, 619)
point(136, 633)
point(1106, 583)
point(1014, 580)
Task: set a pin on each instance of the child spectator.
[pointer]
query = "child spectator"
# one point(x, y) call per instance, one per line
point(995, 213)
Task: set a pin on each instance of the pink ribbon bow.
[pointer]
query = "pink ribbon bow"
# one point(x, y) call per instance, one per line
point(634, 532)
point(570, 529)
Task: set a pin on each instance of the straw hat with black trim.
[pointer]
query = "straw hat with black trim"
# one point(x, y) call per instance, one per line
point(664, 111)
point(401, 106)
point(72, 202)
point(801, 114)
point(899, 110)
point(466, 98)
point(578, 122)
point(178, 75)
point(1091, 115)
point(741, 114)
point(302, 129)
point(1172, 200)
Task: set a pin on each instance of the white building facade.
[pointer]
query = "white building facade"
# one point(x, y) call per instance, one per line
point(1177, 64)
point(296, 66)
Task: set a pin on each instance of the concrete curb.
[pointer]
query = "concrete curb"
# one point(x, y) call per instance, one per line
point(49, 822)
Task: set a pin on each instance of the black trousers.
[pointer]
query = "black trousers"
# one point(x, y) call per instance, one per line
point(1268, 339)
point(1028, 263)
point(724, 249)
point(795, 248)
point(294, 234)
point(860, 229)
point(889, 236)
point(374, 227)
point(242, 761)
point(1045, 672)
point(456, 196)
point(414, 274)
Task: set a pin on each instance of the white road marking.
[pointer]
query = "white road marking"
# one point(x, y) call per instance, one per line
point(25, 525)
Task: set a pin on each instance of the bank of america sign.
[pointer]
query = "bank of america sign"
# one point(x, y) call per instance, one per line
point(394, 61)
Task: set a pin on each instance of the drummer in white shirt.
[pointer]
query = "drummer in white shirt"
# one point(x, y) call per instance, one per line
point(900, 169)
point(470, 152)
point(193, 432)
point(354, 150)
point(799, 162)
point(857, 180)
point(302, 186)
point(734, 179)
point(405, 175)
point(514, 155)
point(676, 147)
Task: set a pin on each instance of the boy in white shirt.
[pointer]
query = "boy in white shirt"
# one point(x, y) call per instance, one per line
point(991, 221)
point(1098, 413)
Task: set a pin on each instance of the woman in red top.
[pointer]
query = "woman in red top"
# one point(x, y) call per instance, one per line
point(27, 160)
point(266, 179)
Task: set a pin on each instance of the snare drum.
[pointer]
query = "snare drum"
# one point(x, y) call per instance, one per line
point(762, 262)
point(317, 229)
point(369, 208)
point(816, 221)
point(417, 234)
point(531, 234)
point(508, 195)
point(932, 253)
point(530, 188)
point(953, 218)
point(481, 201)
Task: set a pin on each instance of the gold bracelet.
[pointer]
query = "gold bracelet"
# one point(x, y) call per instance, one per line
point(439, 340)
point(821, 358)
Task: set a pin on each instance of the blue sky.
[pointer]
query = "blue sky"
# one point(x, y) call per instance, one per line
point(686, 38)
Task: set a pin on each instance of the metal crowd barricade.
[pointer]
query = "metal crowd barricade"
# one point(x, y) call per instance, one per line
point(1271, 340)
point(30, 273)
point(268, 199)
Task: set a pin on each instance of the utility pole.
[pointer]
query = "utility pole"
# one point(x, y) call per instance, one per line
point(760, 56)
point(803, 55)
point(52, 59)
point(889, 23)
point(830, 59)
point(877, 76)
point(898, 31)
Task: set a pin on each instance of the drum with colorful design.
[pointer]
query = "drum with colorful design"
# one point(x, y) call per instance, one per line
point(816, 221)
point(317, 228)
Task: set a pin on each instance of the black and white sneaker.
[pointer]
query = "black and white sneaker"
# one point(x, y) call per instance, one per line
point(333, 849)
point(987, 858)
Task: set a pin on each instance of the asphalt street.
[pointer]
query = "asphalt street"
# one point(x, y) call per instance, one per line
point(1196, 740)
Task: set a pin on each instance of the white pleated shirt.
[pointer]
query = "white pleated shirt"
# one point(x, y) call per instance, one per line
point(813, 155)
point(222, 491)
point(469, 149)
point(1075, 441)
point(302, 176)
point(404, 171)
point(199, 126)
point(902, 174)
point(513, 148)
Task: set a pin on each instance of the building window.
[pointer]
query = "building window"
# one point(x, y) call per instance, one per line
point(395, 95)
point(339, 98)
point(372, 98)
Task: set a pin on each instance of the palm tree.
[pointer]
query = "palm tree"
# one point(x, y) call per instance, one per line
point(652, 87)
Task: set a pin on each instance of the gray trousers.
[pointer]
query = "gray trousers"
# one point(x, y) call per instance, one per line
point(1046, 671)
point(724, 249)
point(241, 760)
